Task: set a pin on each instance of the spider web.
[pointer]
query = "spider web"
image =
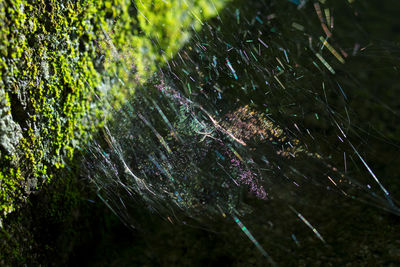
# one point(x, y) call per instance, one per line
point(256, 119)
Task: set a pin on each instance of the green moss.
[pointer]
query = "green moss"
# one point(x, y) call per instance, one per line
point(62, 64)
point(11, 186)
point(59, 92)
point(54, 222)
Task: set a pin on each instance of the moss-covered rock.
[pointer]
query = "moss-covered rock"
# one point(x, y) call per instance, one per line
point(64, 65)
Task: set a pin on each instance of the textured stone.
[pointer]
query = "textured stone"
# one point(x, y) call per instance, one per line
point(10, 131)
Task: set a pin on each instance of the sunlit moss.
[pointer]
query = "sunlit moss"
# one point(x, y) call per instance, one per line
point(61, 61)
